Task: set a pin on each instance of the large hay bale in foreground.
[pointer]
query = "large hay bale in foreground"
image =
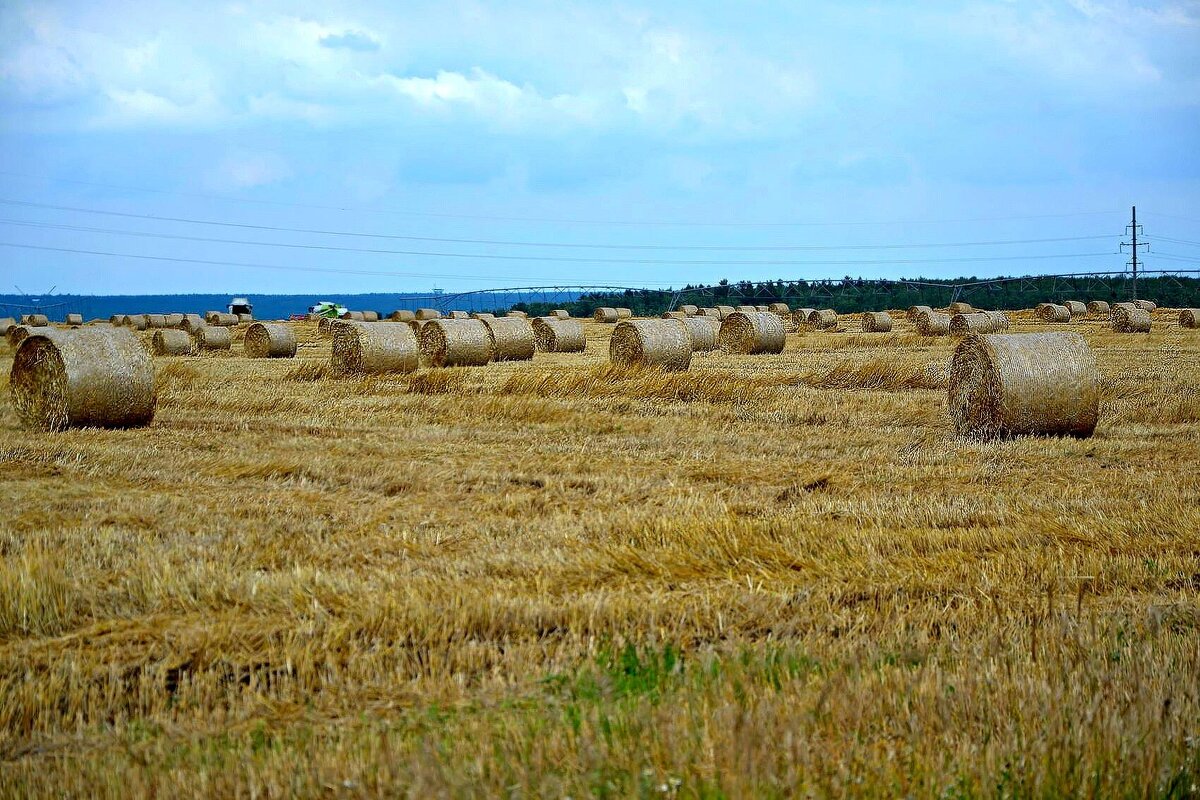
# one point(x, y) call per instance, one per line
point(99, 377)
point(1097, 307)
point(1052, 312)
point(512, 338)
point(823, 320)
point(35, 320)
point(624, 313)
point(1130, 320)
point(1189, 318)
point(553, 335)
point(427, 313)
point(690, 310)
point(156, 321)
point(269, 340)
point(1010, 384)
point(1076, 308)
point(221, 318)
point(914, 311)
point(213, 337)
point(402, 315)
point(191, 323)
point(662, 343)
point(703, 331)
point(74, 319)
point(975, 322)
point(455, 343)
point(168, 342)
point(5, 324)
point(606, 315)
point(959, 307)
point(135, 321)
point(876, 322)
point(932, 323)
point(752, 333)
point(372, 348)
point(1146, 305)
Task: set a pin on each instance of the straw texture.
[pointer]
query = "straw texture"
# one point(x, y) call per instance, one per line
point(779, 308)
point(624, 313)
point(516, 313)
point(560, 313)
point(512, 338)
point(427, 313)
point(156, 321)
point(800, 316)
point(752, 333)
point(747, 309)
point(976, 322)
point(931, 323)
point(703, 331)
point(662, 343)
point(1146, 305)
point(368, 316)
point(74, 319)
point(173, 320)
point(824, 320)
point(35, 320)
point(246, 319)
point(168, 342)
point(554, 335)
point(959, 308)
point(135, 321)
point(690, 310)
point(710, 312)
point(19, 333)
point(372, 348)
point(220, 318)
point(725, 311)
point(269, 340)
point(876, 322)
point(458, 315)
point(5, 324)
point(354, 316)
point(1076, 308)
point(1130, 320)
point(455, 343)
point(913, 311)
point(1052, 312)
point(191, 323)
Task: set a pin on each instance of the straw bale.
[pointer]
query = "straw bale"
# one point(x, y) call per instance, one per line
point(213, 337)
point(5, 324)
point(779, 308)
point(512, 338)
point(725, 311)
point(1146, 305)
point(1098, 307)
point(876, 322)
point(522, 314)
point(135, 321)
point(1189, 318)
point(553, 335)
point(372, 348)
point(914, 311)
point(690, 310)
point(221, 318)
point(1130, 320)
point(662, 343)
point(246, 319)
point(710, 312)
point(703, 331)
point(191, 323)
point(74, 319)
point(959, 308)
point(975, 322)
point(1076, 308)
point(455, 343)
point(752, 332)
point(823, 320)
point(624, 313)
point(269, 340)
point(560, 313)
point(402, 315)
point(1052, 312)
point(747, 309)
point(171, 342)
point(19, 333)
point(368, 316)
point(606, 315)
point(427, 313)
point(35, 320)
point(932, 323)
point(800, 315)
point(458, 315)
point(156, 321)
point(354, 316)
point(173, 320)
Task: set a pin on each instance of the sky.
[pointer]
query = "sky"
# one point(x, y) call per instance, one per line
point(380, 146)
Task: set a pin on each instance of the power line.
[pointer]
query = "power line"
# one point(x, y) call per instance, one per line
point(1173, 241)
point(1173, 216)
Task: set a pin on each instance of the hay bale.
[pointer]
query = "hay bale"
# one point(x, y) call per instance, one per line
point(455, 343)
point(74, 319)
point(246, 319)
point(5, 324)
point(1076, 308)
point(116, 319)
point(99, 377)
point(560, 313)
point(522, 314)
point(800, 315)
point(354, 316)
point(1098, 307)
point(325, 326)
point(876, 322)
point(1130, 320)
point(931, 323)
point(710, 312)
point(213, 337)
point(373, 348)
point(975, 322)
point(135, 321)
point(482, 315)
point(823, 320)
point(368, 316)
point(35, 320)
point(608, 316)
point(959, 308)
point(662, 343)
point(402, 315)
point(779, 308)
point(1189, 318)
point(169, 342)
point(703, 331)
point(747, 309)
point(173, 320)
point(752, 332)
point(673, 315)
point(156, 321)
point(553, 335)
point(725, 311)
point(1019, 384)
point(1146, 305)
point(624, 313)
point(999, 320)
point(19, 333)
point(690, 310)
point(915, 311)
point(427, 313)
point(1052, 312)
point(512, 338)
point(221, 318)
point(191, 323)
point(458, 315)
point(269, 340)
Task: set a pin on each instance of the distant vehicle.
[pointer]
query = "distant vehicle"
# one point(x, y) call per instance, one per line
point(241, 305)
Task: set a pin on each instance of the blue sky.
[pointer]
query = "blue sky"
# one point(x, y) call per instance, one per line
point(874, 139)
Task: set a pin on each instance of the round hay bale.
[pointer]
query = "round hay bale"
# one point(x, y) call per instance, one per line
point(624, 313)
point(914, 311)
point(521, 314)
point(673, 315)
point(368, 316)
point(560, 313)
point(74, 319)
point(1130, 320)
point(931, 323)
point(975, 322)
point(269, 340)
point(1009, 384)
point(1052, 312)
point(703, 331)
point(361, 348)
point(173, 320)
point(779, 308)
point(191, 323)
point(427, 313)
point(135, 321)
point(458, 315)
point(1098, 307)
point(553, 335)
point(690, 310)
point(1189, 318)
point(710, 312)
point(1146, 305)
point(482, 315)
point(800, 315)
point(512, 338)
point(725, 311)
point(455, 343)
point(221, 318)
point(752, 333)
point(156, 321)
point(402, 315)
point(35, 320)
point(19, 333)
point(823, 320)
point(116, 319)
point(325, 326)
point(662, 343)
point(876, 322)
point(999, 320)
point(169, 342)
point(213, 337)
point(246, 319)
point(959, 308)
point(100, 377)
point(747, 309)
point(1076, 308)
point(607, 315)
point(5, 324)
point(353, 316)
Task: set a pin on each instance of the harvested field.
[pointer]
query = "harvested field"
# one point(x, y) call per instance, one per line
point(769, 575)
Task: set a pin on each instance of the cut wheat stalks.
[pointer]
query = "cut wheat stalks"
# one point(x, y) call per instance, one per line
point(522, 314)
point(959, 308)
point(752, 333)
point(19, 333)
point(353, 316)
point(553, 335)
point(455, 343)
point(458, 315)
point(100, 377)
point(5, 324)
point(703, 331)
point(606, 315)
point(169, 342)
point(690, 310)
point(1189, 318)
point(191, 323)
point(269, 340)
point(1098, 307)
point(1146, 305)
point(876, 322)
point(427, 313)
point(662, 343)
point(213, 337)
point(1130, 320)
point(823, 320)
point(1024, 384)
point(624, 313)
point(512, 338)
point(725, 311)
point(975, 322)
point(1052, 312)
point(35, 320)
point(402, 315)
point(779, 308)
point(800, 316)
point(710, 312)
point(933, 323)
point(1076, 308)
point(361, 348)
point(560, 313)
point(914, 311)
point(156, 321)
point(74, 319)
point(221, 318)
point(135, 321)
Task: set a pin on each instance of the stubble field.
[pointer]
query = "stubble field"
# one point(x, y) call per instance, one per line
point(770, 575)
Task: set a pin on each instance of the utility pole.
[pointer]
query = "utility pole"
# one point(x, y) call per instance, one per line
point(1133, 244)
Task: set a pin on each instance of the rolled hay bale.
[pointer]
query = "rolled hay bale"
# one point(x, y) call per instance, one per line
point(221, 318)
point(5, 324)
point(512, 338)
point(156, 321)
point(624, 313)
point(800, 315)
point(361, 348)
point(1008, 384)
point(931, 323)
point(1076, 308)
point(779, 308)
point(135, 321)
point(353, 316)
point(608, 316)
point(673, 315)
point(959, 308)
point(823, 320)
point(100, 377)
point(914, 311)
point(876, 322)
point(747, 309)
point(427, 313)
point(703, 331)
point(458, 315)
point(752, 333)
point(690, 310)
point(560, 313)
point(246, 319)
point(368, 316)
point(1098, 307)
point(482, 315)
point(325, 326)
point(455, 343)
point(710, 312)
point(74, 319)
point(1146, 305)
point(19, 333)
point(116, 319)
point(402, 315)
point(522, 314)
point(1188, 318)
point(725, 311)
point(35, 320)
point(999, 320)
point(1130, 320)
point(213, 337)
point(171, 342)
point(662, 343)
point(191, 323)
point(975, 322)
point(1052, 312)
point(553, 335)
point(173, 320)
point(269, 340)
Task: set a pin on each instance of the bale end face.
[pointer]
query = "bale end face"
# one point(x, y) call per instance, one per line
point(608, 316)
point(1189, 318)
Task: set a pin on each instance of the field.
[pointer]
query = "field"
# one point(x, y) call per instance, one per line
point(768, 576)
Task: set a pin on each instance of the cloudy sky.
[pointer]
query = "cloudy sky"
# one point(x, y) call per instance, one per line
point(382, 146)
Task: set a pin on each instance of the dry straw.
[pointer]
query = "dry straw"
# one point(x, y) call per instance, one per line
point(959, 308)
point(354, 316)
point(752, 332)
point(191, 323)
point(662, 343)
point(914, 311)
point(213, 337)
point(779, 308)
point(402, 315)
point(35, 320)
point(116, 319)
point(762, 308)
point(512, 338)
point(269, 340)
point(606, 315)
point(168, 342)
point(554, 335)
point(999, 320)
point(135, 321)
point(325, 326)
point(458, 315)
point(1098, 307)
point(690, 310)
point(427, 313)
point(977, 322)
point(1130, 320)
point(1033, 383)
point(931, 323)
point(823, 320)
point(1076, 308)
point(703, 331)
point(5, 324)
point(560, 313)
point(221, 318)
point(379, 347)
point(1146, 305)
point(1189, 318)
point(1052, 312)
point(725, 311)
point(455, 343)
point(876, 322)
point(624, 313)
point(99, 377)
point(74, 319)
point(156, 321)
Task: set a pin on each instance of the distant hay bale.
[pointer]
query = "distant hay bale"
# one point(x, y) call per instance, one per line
point(169, 342)
point(999, 320)
point(1024, 384)
point(823, 320)
point(246, 319)
point(1130, 320)
point(402, 315)
point(156, 321)
point(662, 343)
point(373, 348)
point(752, 333)
point(710, 312)
point(975, 322)
point(173, 320)
point(690, 310)
point(553, 335)
point(747, 309)
point(1146, 305)
point(455, 343)
point(354, 316)
point(876, 322)
point(482, 315)
point(607, 315)
point(624, 313)
point(1189, 318)
point(368, 316)
point(213, 337)
point(35, 320)
point(512, 338)
point(269, 340)
point(914, 311)
point(673, 315)
point(74, 319)
point(221, 318)
point(116, 319)
point(19, 333)
point(191, 323)
point(458, 315)
point(959, 308)
point(725, 311)
point(1076, 308)
point(1052, 312)
point(762, 308)
point(100, 377)
point(931, 323)
point(1098, 307)
point(522, 314)
point(779, 308)
point(427, 313)
point(135, 321)
point(560, 313)
point(800, 316)
point(703, 331)
point(5, 324)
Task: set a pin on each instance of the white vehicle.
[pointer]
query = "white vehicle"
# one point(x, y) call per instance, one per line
point(241, 305)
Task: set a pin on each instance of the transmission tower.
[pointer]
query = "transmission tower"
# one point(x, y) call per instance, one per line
point(1132, 230)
